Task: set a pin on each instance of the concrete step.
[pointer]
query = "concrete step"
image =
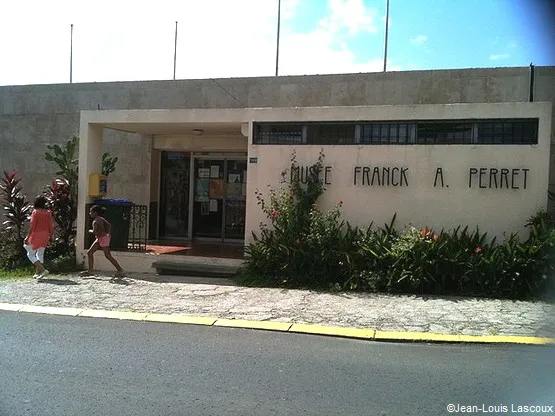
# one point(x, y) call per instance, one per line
point(196, 268)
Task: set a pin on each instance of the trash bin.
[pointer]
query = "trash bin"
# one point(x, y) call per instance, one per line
point(118, 213)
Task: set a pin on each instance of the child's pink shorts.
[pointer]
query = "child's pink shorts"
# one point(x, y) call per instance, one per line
point(104, 241)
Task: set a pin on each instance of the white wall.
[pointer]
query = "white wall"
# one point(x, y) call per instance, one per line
point(418, 202)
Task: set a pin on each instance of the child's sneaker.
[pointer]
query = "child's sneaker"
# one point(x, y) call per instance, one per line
point(119, 275)
point(44, 273)
point(36, 276)
point(85, 273)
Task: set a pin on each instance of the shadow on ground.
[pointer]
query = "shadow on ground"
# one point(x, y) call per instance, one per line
point(184, 279)
point(60, 282)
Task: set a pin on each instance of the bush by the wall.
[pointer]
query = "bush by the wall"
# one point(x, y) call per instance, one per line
point(304, 247)
point(16, 211)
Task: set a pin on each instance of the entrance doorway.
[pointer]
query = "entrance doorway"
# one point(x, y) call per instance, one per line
point(175, 176)
point(219, 205)
point(202, 197)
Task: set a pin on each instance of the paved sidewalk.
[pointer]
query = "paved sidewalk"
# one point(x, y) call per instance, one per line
point(220, 298)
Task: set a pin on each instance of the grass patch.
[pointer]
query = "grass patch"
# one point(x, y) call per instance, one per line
point(17, 274)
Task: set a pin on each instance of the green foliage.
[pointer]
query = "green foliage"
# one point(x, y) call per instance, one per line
point(64, 210)
point(305, 247)
point(12, 253)
point(23, 272)
point(61, 259)
point(108, 164)
point(67, 162)
point(16, 210)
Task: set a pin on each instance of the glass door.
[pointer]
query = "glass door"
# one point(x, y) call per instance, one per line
point(208, 205)
point(174, 194)
point(235, 199)
point(219, 206)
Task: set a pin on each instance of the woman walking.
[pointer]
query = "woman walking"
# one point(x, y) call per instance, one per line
point(41, 232)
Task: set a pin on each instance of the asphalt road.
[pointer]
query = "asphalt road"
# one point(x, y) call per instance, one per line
point(58, 366)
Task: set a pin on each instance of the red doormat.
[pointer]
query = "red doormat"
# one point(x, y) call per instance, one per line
point(165, 249)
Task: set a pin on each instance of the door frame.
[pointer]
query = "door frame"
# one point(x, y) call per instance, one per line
point(159, 205)
point(225, 156)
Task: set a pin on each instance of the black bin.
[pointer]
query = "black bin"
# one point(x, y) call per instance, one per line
point(118, 213)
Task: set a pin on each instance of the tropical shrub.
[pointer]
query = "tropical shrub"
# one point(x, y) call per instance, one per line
point(305, 247)
point(16, 210)
point(64, 210)
point(302, 245)
point(67, 161)
point(108, 164)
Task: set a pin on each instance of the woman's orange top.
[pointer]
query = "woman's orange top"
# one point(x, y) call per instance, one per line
point(41, 229)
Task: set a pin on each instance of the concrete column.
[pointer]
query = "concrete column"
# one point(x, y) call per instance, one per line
point(252, 205)
point(90, 159)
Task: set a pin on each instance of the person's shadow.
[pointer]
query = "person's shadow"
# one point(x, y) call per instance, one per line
point(60, 282)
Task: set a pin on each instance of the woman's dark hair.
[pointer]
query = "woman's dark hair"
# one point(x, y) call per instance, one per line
point(96, 209)
point(40, 202)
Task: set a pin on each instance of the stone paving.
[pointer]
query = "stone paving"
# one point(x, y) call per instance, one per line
point(221, 298)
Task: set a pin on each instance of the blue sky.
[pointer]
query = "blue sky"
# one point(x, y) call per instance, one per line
point(433, 34)
point(127, 40)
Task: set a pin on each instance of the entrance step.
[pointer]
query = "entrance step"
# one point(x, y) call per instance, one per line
point(198, 267)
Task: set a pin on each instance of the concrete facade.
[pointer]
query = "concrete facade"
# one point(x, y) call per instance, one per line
point(460, 196)
point(33, 116)
point(36, 115)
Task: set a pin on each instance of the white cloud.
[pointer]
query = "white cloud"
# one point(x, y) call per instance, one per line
point(127, 40)
point(351, 15)
point(419, 40)
point(497, 57)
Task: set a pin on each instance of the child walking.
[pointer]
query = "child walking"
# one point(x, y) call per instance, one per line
point(41, 232)
point(102, 231)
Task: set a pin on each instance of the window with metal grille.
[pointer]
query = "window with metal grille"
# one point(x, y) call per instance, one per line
point(507, 131)
point(278, 133)
point(330, 134)
point(387, 133)
point(444, 133)
point(430, 132)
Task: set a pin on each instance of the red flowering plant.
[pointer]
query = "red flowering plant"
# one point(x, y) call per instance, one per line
point(16, 211)
point(14, 203)
point(300, 244)
point(64, 210)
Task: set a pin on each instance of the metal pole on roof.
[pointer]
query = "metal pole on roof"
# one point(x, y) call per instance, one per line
point(386, 34)
point(277, 46)
point(71, 56)
point(175, 51)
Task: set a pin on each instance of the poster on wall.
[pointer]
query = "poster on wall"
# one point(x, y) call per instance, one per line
point(202, 189)
point(213, 205)
point(234, 189)
point(216, 188)
point(204, 173)
point(205, 208)
point(234, 178)
point(214, 171)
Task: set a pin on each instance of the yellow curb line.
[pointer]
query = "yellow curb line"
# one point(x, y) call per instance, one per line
point(241, 323)
point(360, 333)
point(49, 310)
point(333, 330)
point(14, 307)
point(132, 316)
point(180, 319)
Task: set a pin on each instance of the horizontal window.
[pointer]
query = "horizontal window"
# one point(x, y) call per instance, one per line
point(387, 133)
point(330, 134)
point(278, 133)
point(429, 132)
